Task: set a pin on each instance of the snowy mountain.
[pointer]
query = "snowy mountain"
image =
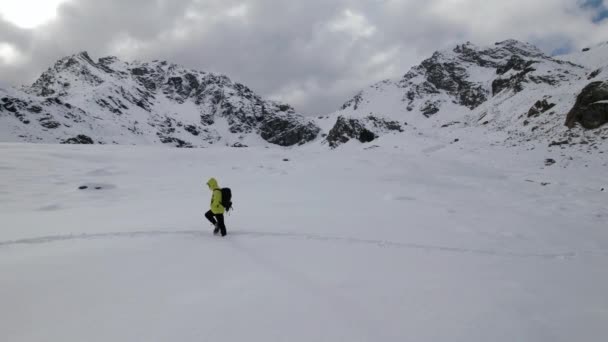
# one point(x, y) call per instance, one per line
point(508, 94)
point(109, 101)
point(511, 93)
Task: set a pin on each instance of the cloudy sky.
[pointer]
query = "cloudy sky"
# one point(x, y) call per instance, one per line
point(314, 54)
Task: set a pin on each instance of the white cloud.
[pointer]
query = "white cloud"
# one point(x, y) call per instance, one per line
point(29, 13)
point(8, 54)
point(238, 11)
point(353, 23)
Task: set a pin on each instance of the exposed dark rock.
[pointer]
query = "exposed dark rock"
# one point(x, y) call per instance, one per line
point(594, 74)
point(207, 119)
point(452, 78)
point(383, 124)
point(174, 141)
point(192, 129)
point(549, 162)
point(540, 107)
point(180, 88)
point(500, 84)
point(551, 80)
point(452, 123)
point(354, 102)
point(448, 76)
point(559, 143)
point(44, 83)
point(81, 139)
point(472, 97)
point(108, 60)
point(366, 136)
point(514, 82)
point(430, 108)
point(105, 104)
point(285, 108)
point(139, 71)
point(288, 131)
point(14, 106)
point(586, 49)
point(515, 47)
point(516, 63)
point(346, 129)
point(591, 107)
point(468, 53)
point(373, 147)
point(10, 107)
point(48, 122)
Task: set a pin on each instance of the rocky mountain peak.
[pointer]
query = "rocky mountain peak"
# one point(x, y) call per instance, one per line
point(155, 101)
point(510, 86)
point(75, 63)
point(470, 75)
point(517, 47)
point(77, 68)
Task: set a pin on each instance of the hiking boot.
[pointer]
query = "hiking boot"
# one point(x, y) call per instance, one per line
point(216, 230)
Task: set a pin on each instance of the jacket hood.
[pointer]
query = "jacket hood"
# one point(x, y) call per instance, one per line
point(212, 183)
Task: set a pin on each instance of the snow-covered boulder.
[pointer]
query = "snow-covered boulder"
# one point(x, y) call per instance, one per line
point(364, 130)
point(591, 107)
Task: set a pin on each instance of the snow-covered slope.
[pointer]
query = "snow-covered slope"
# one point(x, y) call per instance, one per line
point(511, 93)
point(594, 57)
point(114, 102)
point(424, 242)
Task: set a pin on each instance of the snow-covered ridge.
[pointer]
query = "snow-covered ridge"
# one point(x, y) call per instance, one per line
point(593, 57)
point(111, 101)
point(509, 93)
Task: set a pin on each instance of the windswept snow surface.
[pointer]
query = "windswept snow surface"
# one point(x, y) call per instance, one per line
point(424, 242)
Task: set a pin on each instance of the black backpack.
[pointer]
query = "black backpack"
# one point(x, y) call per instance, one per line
point(226, 198)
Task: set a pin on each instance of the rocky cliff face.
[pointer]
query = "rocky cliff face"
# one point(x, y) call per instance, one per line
point(591, 107)
point(110, 101)
point(510, 88)
point(364, 130)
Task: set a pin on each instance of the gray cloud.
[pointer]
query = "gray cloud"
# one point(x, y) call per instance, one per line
point(314, 54)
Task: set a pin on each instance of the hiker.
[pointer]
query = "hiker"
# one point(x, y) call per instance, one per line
point(216, 214)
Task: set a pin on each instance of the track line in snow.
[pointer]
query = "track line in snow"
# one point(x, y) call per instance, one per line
point(304, 236)
point(426, 247)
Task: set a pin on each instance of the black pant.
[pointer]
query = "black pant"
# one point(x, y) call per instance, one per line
point(217, 220)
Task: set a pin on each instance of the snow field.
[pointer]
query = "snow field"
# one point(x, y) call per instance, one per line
point(425, 241)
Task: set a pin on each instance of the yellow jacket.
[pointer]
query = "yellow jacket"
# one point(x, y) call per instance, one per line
point(216, 197)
